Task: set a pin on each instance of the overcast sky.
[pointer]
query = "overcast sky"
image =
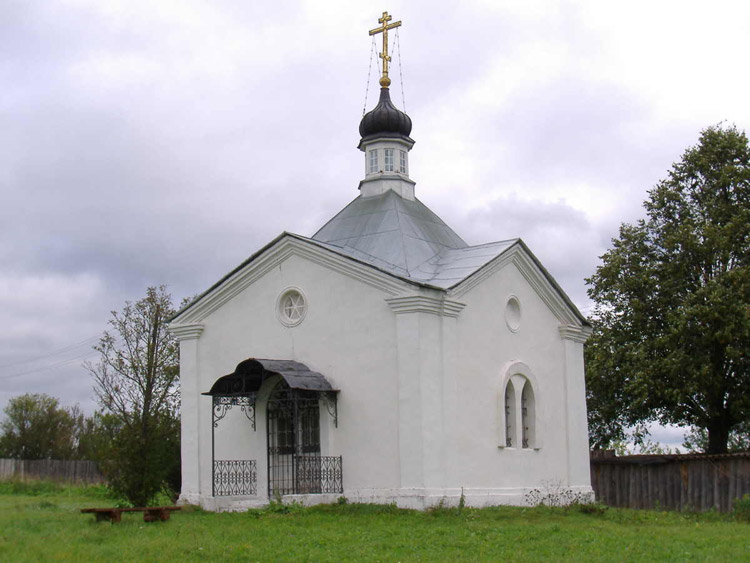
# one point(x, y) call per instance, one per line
point(163, 142)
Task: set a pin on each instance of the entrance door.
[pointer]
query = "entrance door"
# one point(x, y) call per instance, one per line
point(293, 426)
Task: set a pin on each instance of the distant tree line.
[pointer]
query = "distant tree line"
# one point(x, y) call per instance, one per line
point(36, 426)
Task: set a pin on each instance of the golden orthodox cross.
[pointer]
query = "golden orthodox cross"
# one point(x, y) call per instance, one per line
point(384, 80)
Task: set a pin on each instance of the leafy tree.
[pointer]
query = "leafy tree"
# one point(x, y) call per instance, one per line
point(37, 427)
point(135, 381)
point(739, 439)
point(95, 437)
point(672, 296)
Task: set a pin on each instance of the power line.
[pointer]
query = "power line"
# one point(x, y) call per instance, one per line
point(52, 353)
point(57, 364)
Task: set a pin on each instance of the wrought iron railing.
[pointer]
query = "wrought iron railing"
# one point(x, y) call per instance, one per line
point(319, 474)
point(235, 477)
point(305, 474)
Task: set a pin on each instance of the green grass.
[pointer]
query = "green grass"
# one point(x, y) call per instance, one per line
point(42, 522)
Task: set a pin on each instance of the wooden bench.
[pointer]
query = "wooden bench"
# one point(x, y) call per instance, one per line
point(150, 513)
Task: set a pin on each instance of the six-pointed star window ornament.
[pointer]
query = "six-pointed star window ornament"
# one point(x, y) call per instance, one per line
point(292, 307)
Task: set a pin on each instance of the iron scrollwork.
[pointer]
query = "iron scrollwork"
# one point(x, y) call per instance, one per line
point(235, 477)
point(224, 403)
point(221, 406)
point(318, 474)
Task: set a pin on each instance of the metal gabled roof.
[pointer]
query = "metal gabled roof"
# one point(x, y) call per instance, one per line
point(393, 233)
point(403, 237)
point(451, 267)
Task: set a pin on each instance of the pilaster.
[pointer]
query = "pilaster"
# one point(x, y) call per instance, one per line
point(190, 419)
point(422, 323)
point(573, 338)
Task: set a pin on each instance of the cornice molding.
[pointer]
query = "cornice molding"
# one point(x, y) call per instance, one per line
point(544, 288)
point(286, 247)
point(575, 333)
point(423, 304)
point(377, 185)
point(186, 331)
point(387, 177)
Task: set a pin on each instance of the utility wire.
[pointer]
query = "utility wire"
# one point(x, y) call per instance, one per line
point(57, 364)
point(88, 342)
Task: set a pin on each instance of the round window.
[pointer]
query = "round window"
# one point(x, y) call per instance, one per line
point(513, 313)
point(291, 307)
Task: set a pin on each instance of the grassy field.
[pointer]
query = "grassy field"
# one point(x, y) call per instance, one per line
point(41, 522)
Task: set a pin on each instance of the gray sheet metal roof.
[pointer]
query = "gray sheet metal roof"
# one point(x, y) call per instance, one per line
point(405, 238)
point(250, 374)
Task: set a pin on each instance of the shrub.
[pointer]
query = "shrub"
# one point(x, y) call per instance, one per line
point(742, 508)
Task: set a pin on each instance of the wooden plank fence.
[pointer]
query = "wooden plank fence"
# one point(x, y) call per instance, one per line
point(74, 471)
point(672, 482)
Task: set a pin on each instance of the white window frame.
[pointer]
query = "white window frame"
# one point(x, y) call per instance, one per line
point(291, 306)
point(388, 164)
point(372, 164)
point(402, 165)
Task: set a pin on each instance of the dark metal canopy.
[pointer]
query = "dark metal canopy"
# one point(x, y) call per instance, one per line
point(250, 374)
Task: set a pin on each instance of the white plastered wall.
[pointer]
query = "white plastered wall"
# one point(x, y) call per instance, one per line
point(489, 353)
point(420, 391)
point(348, 335)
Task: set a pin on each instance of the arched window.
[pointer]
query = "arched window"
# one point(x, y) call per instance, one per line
point(519, 409)
point(528, 416)
point(510, 415)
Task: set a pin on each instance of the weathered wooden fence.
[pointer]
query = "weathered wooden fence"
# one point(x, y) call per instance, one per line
point(673, 482)
point(52, 469)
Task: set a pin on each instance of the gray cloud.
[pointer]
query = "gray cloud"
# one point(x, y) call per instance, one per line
point(560, 236)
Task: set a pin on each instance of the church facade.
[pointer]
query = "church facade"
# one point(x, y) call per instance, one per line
point(382, 359)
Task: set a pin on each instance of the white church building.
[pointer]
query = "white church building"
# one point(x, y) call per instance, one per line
point(382, 359)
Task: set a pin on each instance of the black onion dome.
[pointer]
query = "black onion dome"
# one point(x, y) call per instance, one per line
point(385, 120)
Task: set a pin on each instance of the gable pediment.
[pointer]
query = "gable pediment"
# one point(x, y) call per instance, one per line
point(535, 274)
point(269, 257)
